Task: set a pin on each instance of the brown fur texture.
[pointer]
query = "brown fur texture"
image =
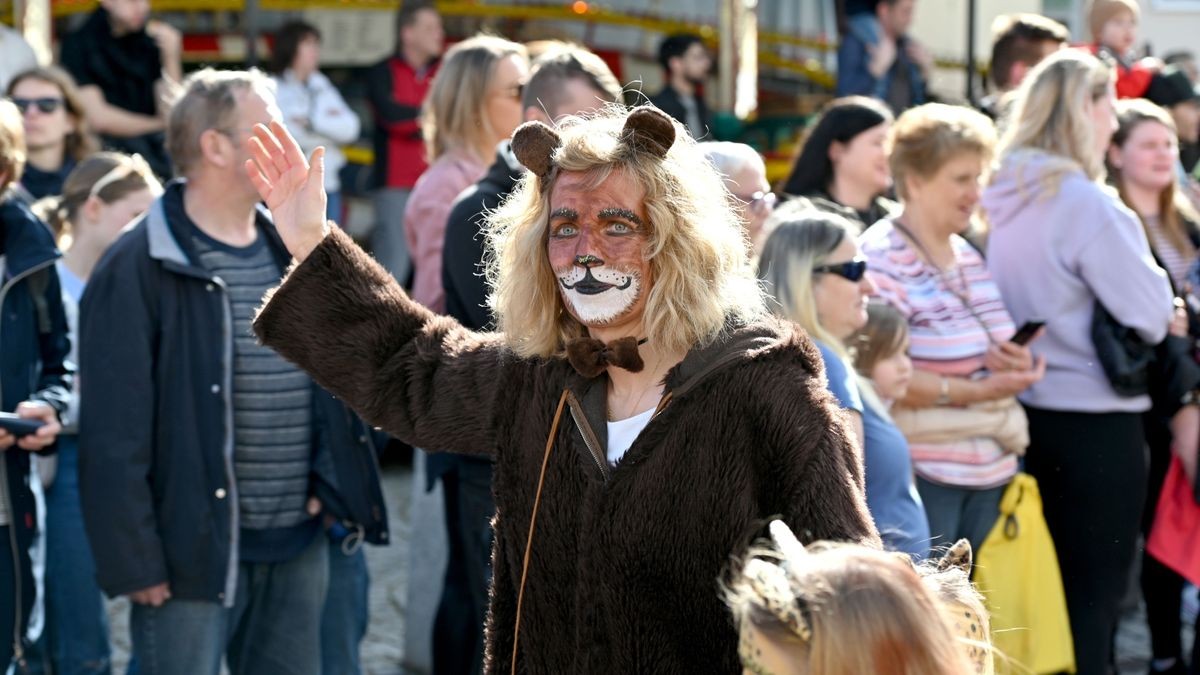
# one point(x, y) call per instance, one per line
point(623, 575)
point(649, 129)
point(534, 144)
point(590, 357)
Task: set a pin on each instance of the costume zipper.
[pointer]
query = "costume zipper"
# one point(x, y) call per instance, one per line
point(589, 436)
point(18, 652)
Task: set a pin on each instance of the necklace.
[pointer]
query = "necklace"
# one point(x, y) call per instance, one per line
point(965, 295)
point(645, 390)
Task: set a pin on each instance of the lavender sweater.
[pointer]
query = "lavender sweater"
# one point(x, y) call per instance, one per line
point(1058, 243)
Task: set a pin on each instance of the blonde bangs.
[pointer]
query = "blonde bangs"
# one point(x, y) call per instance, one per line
point(698, 253)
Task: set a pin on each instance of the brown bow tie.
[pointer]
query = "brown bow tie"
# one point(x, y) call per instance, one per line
point(590, 356)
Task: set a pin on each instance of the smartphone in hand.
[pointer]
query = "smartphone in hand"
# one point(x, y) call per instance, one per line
point(1026, 332)
point(19, 426)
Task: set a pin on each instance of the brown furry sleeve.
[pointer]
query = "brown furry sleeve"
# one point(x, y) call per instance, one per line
point(811, 473)
point(421, 377)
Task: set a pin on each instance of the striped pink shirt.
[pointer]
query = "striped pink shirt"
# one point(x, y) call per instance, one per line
point(946, 337)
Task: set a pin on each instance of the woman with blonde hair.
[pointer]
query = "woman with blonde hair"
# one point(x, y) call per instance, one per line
point(634, 364)
point(1063, 249)
point(103, 194)
point(473, 104)
point(815, 272)
point(958, 325)
point(829, 609)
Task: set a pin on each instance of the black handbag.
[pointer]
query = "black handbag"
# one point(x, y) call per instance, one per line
point(1123, 354)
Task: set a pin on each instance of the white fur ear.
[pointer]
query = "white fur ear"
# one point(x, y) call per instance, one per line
point(785, 541)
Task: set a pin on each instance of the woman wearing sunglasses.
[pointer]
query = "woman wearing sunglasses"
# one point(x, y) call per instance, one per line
point(960, 330)
point(56, 131)
point(816, 276)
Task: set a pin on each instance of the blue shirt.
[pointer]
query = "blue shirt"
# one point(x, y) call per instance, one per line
point(842, 382)
point(891, 493)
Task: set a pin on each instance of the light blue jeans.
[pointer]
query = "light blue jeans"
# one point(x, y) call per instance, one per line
point(274, 627)
point(344, 621)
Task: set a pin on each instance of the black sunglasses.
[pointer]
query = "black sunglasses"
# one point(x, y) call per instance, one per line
point(44, 105)
point(852, 271)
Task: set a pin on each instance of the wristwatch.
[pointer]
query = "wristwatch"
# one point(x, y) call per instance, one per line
point(1190, 398)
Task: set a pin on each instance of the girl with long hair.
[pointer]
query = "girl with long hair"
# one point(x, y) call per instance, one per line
point(1142, 165)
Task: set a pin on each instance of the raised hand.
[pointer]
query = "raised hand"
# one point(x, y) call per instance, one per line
point(294, 189)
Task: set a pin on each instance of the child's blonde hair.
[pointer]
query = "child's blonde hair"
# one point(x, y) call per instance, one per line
point(885, 334)
point(841, 609)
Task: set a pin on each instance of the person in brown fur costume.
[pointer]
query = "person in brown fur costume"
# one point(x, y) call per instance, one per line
point(646, 416)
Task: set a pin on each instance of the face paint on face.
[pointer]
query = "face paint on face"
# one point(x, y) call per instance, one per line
point(596, 248)
point(597, 292)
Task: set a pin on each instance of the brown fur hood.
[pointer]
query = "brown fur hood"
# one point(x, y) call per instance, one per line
point(623, 575)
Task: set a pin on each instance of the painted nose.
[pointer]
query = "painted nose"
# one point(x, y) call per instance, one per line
point(588, 261)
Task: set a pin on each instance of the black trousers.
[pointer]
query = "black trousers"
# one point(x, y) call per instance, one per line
point(458, 626)
point(1091, 471)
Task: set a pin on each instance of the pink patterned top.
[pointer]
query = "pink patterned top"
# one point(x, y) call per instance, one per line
point(947, 313)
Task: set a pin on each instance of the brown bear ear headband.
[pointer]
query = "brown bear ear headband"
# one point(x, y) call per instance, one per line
point(647, 129)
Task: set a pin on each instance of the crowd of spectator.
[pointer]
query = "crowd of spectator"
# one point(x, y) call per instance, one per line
point(988, 291)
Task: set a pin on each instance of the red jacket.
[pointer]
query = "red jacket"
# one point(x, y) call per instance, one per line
point(1132, 80)
point(396, 91)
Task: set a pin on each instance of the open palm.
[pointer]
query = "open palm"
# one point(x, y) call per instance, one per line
point(294, 189)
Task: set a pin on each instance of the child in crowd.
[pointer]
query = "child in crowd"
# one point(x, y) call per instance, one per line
point(1114, 25)
point(833, 609)
point(881, 359)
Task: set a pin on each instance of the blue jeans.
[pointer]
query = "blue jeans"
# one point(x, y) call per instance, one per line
point(273, 628)
point(959, 512)
point(75, 640)
point(344, 621)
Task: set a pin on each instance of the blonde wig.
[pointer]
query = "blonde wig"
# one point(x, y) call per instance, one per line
point(1049, 112)
point(801, 238)
point(454, 114)
point(697, 250)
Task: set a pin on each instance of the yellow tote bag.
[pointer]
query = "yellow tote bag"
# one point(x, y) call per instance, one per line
point(1017, 572)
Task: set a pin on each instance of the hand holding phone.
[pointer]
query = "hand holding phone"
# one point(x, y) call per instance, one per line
point(1026, 332)
point(19, 427)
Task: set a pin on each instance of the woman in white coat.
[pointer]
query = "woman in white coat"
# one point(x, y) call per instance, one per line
point(313, 109)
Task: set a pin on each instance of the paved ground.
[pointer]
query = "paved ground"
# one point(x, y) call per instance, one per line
point(383, 650)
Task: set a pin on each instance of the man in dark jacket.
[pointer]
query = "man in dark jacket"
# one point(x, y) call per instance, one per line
point(878, 58)
point(686, 64)
point(208, 464)
point(396, 87)
point(571, 81)
point(33, 384)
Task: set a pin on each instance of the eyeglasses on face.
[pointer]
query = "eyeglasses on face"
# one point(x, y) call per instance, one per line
point(853, 270)
point(44, 105)
point(758, 201)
